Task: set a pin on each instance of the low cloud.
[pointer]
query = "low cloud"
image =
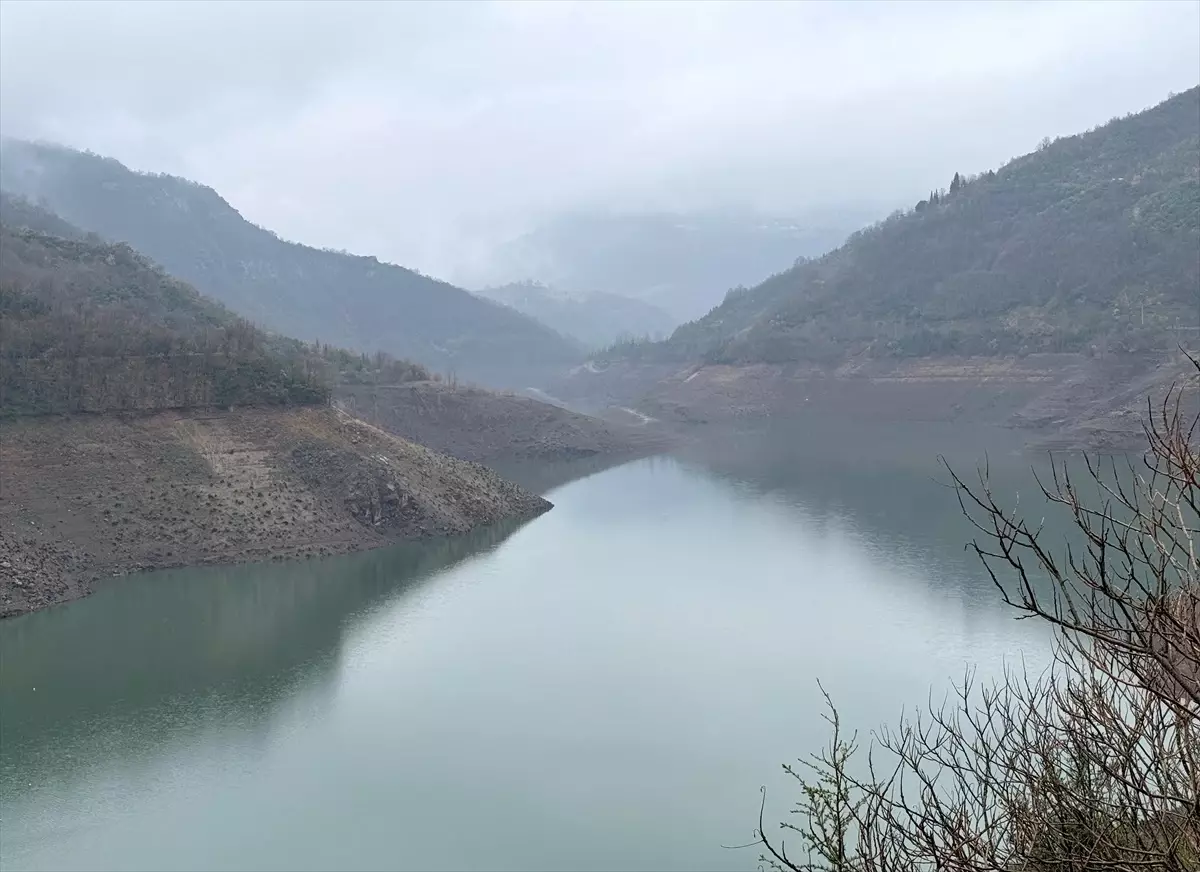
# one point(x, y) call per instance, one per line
point(425, 133)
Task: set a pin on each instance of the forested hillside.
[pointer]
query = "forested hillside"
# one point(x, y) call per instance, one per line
point(314, 294)
point(236, 451)
point(1090, 244)
point(87, 326)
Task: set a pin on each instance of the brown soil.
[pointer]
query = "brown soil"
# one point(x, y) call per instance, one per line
point(1060, 400)
point(493, 428)
point(95, 495)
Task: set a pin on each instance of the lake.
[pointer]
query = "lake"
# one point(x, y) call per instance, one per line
point(605, 687)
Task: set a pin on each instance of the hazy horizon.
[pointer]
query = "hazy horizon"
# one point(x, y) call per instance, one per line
point(425, 134)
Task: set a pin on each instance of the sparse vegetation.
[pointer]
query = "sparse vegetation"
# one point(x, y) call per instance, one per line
point(177, 488)
point(1093, 766)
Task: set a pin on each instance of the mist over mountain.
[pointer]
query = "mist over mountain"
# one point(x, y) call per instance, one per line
point(683, 263)
point(1091, 243)
point(96, 327)
point(314, 294)
point(782, 304)
point(357, 126)
point(595, 319)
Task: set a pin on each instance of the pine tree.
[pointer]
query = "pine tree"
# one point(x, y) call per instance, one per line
point(956, 183)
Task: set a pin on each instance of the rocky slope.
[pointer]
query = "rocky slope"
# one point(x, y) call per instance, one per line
point(143, 425)
point(489, 427)
point(1053, 400)
point(87, 496)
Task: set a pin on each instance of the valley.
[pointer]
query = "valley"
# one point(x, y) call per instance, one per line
point(144, 426)
point(150, 426)
point(681, 263)
point(1054, 293)
point(497, 436)
point(595, 319)
point(192, 370)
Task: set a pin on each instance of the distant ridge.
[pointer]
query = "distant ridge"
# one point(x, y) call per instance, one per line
point(1090, 244)
point(595, 319)
point(309, 293)
point(89, 326)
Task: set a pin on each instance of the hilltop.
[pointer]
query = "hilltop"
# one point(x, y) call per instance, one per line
point(1053, 292)
point(315, 294)
point(1090, 244)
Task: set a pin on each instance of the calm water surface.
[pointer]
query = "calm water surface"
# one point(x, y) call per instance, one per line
point(605, 687)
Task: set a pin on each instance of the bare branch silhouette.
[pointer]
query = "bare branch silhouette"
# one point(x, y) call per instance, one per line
point(1093, 765)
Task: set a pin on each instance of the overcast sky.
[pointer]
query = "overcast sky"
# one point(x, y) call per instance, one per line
point(423, 132)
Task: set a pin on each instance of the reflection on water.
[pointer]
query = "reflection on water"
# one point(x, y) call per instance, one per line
point(237, 627)
point(605, 687)
point(897, 491)
point(215, 644)
point(543, 476)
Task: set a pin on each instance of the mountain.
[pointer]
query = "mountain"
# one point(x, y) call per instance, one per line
point(143, 425)
point(89, 326)
point(94, 326)
point(596, 319)
point(17, 211)
point(1091, 244)
point(346, 300)
point(683, 263)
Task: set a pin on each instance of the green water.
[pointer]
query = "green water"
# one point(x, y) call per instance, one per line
point(605, 687)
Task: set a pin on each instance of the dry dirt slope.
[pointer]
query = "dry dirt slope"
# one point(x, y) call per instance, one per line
point(93, 495)
point(489, 427)
point(1064, 400)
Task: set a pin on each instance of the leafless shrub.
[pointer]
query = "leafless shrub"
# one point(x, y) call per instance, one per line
point(1094, 765)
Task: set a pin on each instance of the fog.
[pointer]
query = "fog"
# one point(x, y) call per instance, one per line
point(427, 133)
